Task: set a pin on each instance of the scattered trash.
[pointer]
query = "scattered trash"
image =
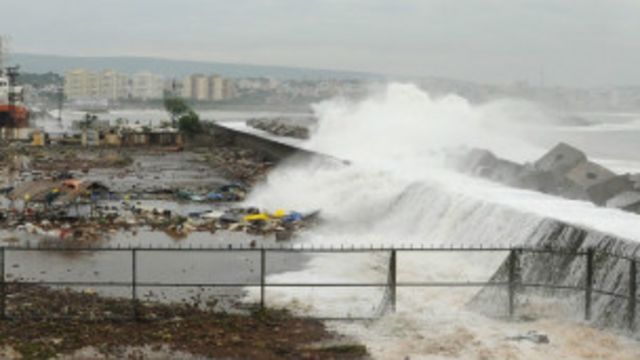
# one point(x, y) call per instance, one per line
point(225, 193)
point(256, 217)
point(532, 336)
point(292, 217)
point(53, 201)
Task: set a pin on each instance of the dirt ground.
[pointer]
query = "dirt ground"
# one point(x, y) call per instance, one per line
point(47, 324)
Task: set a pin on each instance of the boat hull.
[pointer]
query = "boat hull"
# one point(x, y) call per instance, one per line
point(14, 116)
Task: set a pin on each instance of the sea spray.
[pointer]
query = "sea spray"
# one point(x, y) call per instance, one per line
point(395, 193)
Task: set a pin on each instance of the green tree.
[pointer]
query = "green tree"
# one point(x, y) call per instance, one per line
point(177, 108)
point(190, 123)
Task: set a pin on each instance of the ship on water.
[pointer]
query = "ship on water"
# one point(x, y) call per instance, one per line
point(13, 112)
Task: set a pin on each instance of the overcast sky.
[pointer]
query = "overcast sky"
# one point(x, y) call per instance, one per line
point(571, 42)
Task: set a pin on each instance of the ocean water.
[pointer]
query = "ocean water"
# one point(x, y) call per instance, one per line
point(397, 192)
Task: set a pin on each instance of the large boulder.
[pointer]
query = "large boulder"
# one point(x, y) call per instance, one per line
point(628, 201)
point(561, 159)
point(549, 182)
point(484, 163)
point(603, 191)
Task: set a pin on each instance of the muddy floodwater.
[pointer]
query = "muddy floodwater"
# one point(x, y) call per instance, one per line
point(161, 263)
point(157, 171)
point(167, 268)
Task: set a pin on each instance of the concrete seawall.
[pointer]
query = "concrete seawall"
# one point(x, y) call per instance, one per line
point(563, 275)
point(272, 149)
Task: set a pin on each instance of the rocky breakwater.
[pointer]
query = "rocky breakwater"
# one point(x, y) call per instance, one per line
point(563, 171)
point(298, 128)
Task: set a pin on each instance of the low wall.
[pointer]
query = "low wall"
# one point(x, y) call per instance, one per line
point(273, 150)
point(602, 289)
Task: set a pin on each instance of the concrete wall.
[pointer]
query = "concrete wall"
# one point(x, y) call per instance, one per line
point(273, 151)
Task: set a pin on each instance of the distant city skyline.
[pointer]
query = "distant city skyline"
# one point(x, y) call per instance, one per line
point(567, 43)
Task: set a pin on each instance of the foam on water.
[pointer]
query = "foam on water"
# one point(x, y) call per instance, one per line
point(396, 193)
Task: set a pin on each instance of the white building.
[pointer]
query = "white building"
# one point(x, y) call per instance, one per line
point(81, 84)
point(113, 85)
point(201, 88)
point(147, 86)
point(216, 88)
point(187, 88)
point(85, 84)
point(207, 88)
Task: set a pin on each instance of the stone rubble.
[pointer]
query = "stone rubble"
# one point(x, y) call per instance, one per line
point(563, 171)
point(280, 127)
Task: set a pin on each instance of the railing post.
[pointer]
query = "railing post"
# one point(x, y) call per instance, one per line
point(134, 280)
point(392, 280)
point(3, 286)
point(588, 289)
point(513, 260)
point(632, 294)
point(263, 275)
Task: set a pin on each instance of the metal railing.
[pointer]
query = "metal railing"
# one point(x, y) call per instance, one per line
point(512, 282)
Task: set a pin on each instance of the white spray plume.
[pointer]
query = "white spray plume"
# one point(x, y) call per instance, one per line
point(402, 122)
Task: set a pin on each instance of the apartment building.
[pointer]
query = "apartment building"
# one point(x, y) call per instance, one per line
point(113, 85)
point(147, 86)
point(216, 88)
point(81, 84)
point(200, 87)
point(86, 84)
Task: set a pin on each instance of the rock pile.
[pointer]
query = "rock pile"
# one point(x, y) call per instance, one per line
point(563, 171)
point(280, 127)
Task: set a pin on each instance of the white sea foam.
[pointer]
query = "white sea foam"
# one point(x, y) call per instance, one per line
point(395, 194)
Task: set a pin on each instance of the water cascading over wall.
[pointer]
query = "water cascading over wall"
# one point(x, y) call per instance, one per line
point(430, 214)
point(611, 273)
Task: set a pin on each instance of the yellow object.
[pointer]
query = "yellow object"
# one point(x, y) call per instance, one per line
point(38, 139)
point(257, 217)
point(27, 197)
point(279, 213)
point(112, 139)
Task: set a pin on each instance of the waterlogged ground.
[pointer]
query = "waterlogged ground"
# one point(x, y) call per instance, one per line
point(436, 323)
point(470, 336)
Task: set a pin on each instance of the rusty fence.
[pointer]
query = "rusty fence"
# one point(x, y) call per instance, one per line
point(508, 276)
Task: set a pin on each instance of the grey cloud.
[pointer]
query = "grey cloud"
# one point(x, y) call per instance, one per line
point(576, 42)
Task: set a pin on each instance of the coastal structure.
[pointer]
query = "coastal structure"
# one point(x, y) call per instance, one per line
point(200, 87)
